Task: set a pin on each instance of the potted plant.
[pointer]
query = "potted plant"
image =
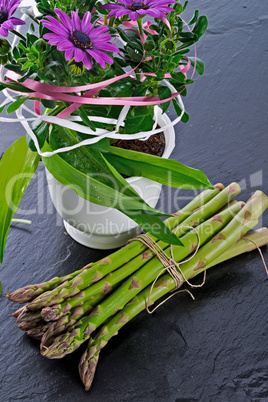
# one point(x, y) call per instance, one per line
point(96, 74)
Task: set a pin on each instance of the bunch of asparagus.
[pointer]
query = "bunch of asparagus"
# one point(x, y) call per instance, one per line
point(65, 312)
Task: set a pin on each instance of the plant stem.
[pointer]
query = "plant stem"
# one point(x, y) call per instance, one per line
point(139, 21)
point(18, 34)
point(105, 16)
point(21, 221)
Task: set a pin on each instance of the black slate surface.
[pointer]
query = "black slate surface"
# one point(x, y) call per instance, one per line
point(211, 349)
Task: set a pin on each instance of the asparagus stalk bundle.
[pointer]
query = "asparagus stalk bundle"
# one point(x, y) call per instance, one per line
point(164, 285)
point(82, 330)
point(61, 285)
point(103, 286)
point(74, 284)
point(65, 312)
point(245, 220)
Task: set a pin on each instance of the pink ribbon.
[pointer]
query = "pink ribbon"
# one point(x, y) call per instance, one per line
point(60, 93)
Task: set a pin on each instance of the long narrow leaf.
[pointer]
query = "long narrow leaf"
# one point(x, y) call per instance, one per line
point(17, 168)
point(166, 171)
point(90, 188)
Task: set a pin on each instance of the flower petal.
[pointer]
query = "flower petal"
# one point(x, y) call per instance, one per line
point(97, 57)
point(78, 54)
point(133, 15)
point(76, 21)
point(65, 45)
point(64, 18)
point(111, 7)
point(87, 61)
point(122, 11)
point(105, 46)
point(142, 12)
point(8, 25)
point(57, 28)
point(17, 21)
point(111, 14)
point(3, 31)
point(100, 57)
point(154, 12)
point(69, 54)
point(86, 22)
point(53, 39)
point(97, 32)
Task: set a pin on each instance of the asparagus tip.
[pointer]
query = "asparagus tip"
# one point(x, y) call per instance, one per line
point(219, 186)
point(48, 313)
point(87, 368)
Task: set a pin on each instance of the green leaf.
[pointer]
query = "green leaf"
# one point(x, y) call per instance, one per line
point(87, 160)
point(102, 145)
point(16, 53)
point(17, 168)
point(164, 92)
point(200, 26)
point(92, 177)
point(199, 64)
point(139, 123)
point(15, 86)
point(40, 129)
point(27, 65)
point(4, 104)
point(165, 106)
point(194, 19)
point(137, 111)
point(166, 171)
point(13, 67)
point(50, 104)
point(178, 76)
point(187, 35)
point(81, 112)
point(134, 54)
point(185, 117)
point(15, 105)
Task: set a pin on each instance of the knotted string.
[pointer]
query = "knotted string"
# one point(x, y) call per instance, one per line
point(170, 266)
point(259, 250)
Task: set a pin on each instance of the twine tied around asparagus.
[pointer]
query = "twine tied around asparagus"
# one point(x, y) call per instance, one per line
point(259, 250)
point(170, 265)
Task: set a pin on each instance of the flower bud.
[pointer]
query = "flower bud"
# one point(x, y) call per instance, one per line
point(76, 68)
point(4, 47)
point(168, 46)
point(40, 45)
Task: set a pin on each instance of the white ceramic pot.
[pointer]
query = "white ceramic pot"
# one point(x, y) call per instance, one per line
point(101, 227)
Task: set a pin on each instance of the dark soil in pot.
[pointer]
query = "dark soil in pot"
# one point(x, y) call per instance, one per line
point(155, 145)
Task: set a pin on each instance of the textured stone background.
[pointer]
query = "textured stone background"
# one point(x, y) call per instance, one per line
point(213, 349)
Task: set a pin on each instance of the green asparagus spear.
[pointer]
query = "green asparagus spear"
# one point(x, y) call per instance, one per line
point(89, 359)
point(28, 293)
point(104, 285)
point(55, 328)
point(76, 335)
point(124, 255)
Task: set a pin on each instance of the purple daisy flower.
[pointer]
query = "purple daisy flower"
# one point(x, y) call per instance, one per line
point(7, 22)
point(136, 9)
point(80, 40)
